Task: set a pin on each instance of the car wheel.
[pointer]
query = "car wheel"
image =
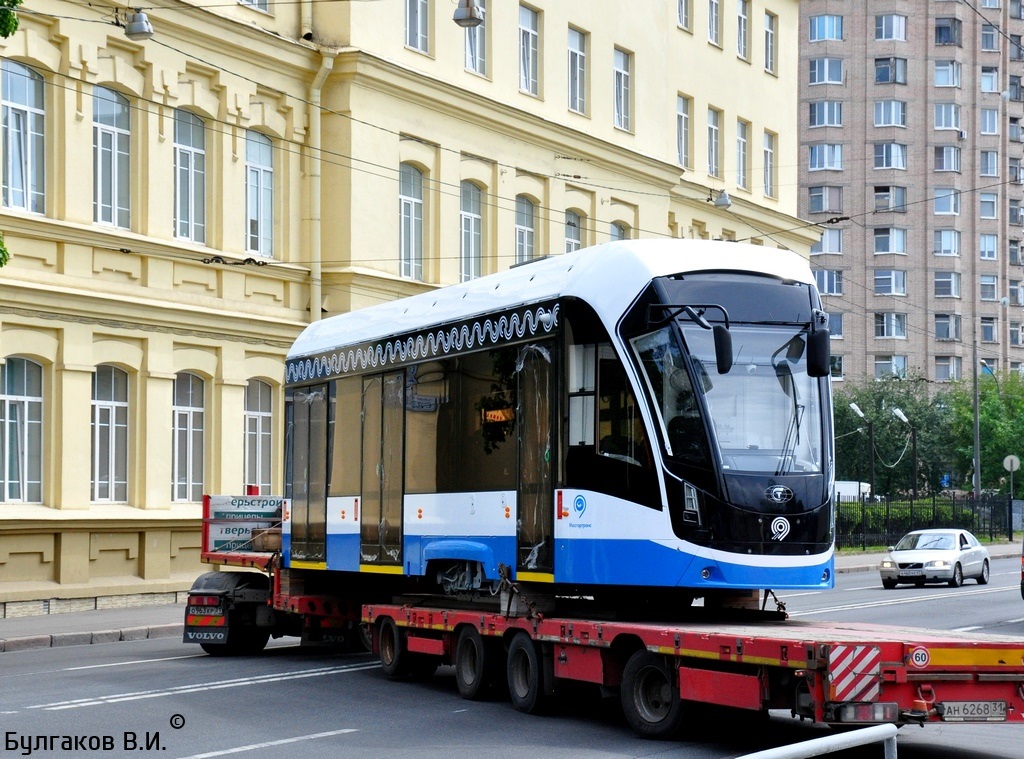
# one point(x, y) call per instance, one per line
point(983, 577)
point(958, 576)
point(888, 584)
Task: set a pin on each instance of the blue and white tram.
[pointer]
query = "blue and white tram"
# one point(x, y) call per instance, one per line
point(651, 414)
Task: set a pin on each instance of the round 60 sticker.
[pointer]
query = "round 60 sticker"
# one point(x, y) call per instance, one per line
point(919, 657)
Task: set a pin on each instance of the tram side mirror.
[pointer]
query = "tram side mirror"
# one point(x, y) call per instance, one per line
point(819, 353)
point(723, 348)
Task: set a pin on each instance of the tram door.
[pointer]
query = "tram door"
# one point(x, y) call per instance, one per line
point(309, 504)
point(535, 525)
point(382, 469)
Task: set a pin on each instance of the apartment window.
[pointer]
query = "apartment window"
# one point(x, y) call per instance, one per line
point(1016, 217)
point(890, 113)
point(825, 157)
point(947, 242)
point(829, 281)
point(525, 228)
point(476, 43)
point(529, 39)
point(109, 435)
point(684, 111)
point(1015, 132)
point(947, 368)
point(577, 71)
point(410, 221)
point(189, 177)
point(112, 171)
point(947, 73)
point(988, 331)
point(890, 70)
point(989, 37)
point(573, 231)
point(988, 121)
point(417, 18)
point(947, 116)
point(988, 163)
point(623, 89)
point(890, 155)
point(947, 284)
point(1016, 94)
point(1016, 293)
point(768, 165)
point(1015, 172)
point(947, 201)
point(714, 22)
point(683, 13)
point(947, 158)
point(835, 325)
point(24, 142)
point(826, 113)
point(989, 79)
point(831, 242)
point(825, 199)
point(988, 204)
point(714, 128)
point(1013, 251)
point(989, 3)
point(947, 31)
point(771, 54)
point(890, 282)
point(260, 5)
point(1015, 333)
point(947, 326)
point(826, 27)
point(21, 431)
point(890, 366)
point(1016, 47)
point(891, 27)
point(742, 154)
point(890, 240)
point(891, 325)
point(836, 366)
point(471, 220)
point(890, 198)
point(259, 441)
point(188, 424)
point(618, 231)
point(743, 29)
point(987, 287)
point(259, 193)
point(987, 244)
point(826, 71)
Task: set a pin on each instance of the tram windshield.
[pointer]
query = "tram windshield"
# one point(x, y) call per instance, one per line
point(765, 414)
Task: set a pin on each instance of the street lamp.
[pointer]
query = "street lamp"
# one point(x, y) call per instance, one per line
point(871, 448)
point(468, 14)
point(898, 413)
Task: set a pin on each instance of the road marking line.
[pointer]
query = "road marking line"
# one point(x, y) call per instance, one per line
point(137, 661)
point(893, 602)
point(969, 628)
point(271, 744)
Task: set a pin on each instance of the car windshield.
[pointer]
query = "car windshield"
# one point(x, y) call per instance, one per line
point(926, 541)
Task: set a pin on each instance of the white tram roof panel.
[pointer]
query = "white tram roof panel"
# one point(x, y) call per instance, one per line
point(608, 277)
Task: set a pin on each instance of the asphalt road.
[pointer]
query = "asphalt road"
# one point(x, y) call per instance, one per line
point(302, 702)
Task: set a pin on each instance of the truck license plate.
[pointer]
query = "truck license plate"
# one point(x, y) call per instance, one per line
point(974, 711)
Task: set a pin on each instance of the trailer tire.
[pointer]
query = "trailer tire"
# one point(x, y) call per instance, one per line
point(476, 662)
point(394, 657)
point(525, 669)
point(650, 696)
point(241, 641)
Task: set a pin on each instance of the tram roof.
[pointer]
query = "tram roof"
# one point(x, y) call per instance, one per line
point(607, 276)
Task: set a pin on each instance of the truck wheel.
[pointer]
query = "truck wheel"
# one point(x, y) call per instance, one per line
point(475, 664)
point(650, 696)
point(394, 658)
point(525, 671)
point(243, 640)
point(958, 576)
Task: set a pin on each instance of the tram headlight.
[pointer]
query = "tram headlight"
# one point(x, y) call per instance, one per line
point(691, 504)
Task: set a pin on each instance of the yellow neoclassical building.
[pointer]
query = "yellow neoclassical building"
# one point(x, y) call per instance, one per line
point(178, 206)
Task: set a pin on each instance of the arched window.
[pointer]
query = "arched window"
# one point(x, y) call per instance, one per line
point(472, 222)
point(525, 228)
point(23, 138)
point(189, 177)
point(21, 431)
point(111, 141)
point(573, 231)
point(410, 213)
point(619, 231)
point(259, 194)
point(109, 435)
point(258, 437)
point(189, 425)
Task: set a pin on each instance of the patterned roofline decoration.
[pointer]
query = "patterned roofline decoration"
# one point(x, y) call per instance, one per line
point(462, 337)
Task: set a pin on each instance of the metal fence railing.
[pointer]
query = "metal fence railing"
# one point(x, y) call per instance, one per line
point(865, 523)
point(884, 734)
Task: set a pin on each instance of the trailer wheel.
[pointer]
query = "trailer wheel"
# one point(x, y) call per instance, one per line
point(475, 664)
point(650, 696)
point(525, 671)
point(242, 640)
point(394, 658)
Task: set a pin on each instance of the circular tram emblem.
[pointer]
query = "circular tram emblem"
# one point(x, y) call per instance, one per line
point(780, 528)
point(778, 494)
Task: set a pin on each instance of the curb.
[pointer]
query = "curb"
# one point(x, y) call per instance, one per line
point(58, 640)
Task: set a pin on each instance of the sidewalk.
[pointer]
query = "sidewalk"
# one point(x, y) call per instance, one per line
point(112, 625)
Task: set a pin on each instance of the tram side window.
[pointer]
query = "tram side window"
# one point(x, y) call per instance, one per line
point(430, 426)
point(346, 451)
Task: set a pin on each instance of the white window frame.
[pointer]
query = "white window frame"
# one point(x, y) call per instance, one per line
point(715, 22)
point(529, 50)
point(891, 26)
point(947, 116)
point(947, 158)
point(24, 137)
point(829, 281)
point(684, 13)
point(947, 73)
point(410, 221)
point(890, 155)
point(769, 170)
point(771, 40)
point(417, 25)
point(526, 220)
point(111, 146)
point(988, 287)
point(948, 368)
point(988, 246)
point(577, 46)
point(890, 113)
point(189, 177)
point(743, 29)
point(573, 231)
point(988, 205)
point(948, 327)
point(830, 242)
point(989, 38)
point(476, 43)
point(825, 157)
point(826, 70)
point(890, 282)
point(947, 242)
point(824, 27)
point(714, 142)
point(989, 79)
point(988, 163)
point(259, 441)
point(623, 64)
point(21, 431)
point(825, 199)
point(946, 201)
point(110, 436)
point(825, 113)
point(189, 431)
point(988, 121)
point(895, 239)
point(743, 154)
point(890, 198)
point(890, 325)
point(259, 194)
point(949, 280)
point(471, 227)
point(887, 366)
point(684, 117)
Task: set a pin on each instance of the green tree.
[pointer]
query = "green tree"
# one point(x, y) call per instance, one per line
point(4, 255)
point(8, 17)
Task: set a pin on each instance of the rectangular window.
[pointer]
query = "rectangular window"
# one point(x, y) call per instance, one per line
point(684, 112)
point(742, 154)
point(947, 326)
point(890, 366)
point(1013, 251)
point(987, 286)
point(476, 43)
point(947, 73)
point(947, 116)
point(989, 37)
point(831, 242)
point(743, 29)
point(829, 281)
point(577, 71)
point(769, 173)
point(947, 201)
point(623, 89)
point(410, 221)
point(890, 155)
point(417, 19)
point(890, 282)
point(189, 177)
point(835, 325)
point(947, 368)
point(890, 70)
point(188, 426)
point(714, 126)
point(22, 97)
point(947, 31)
point(890, 113)
point(529, 45)
point(1016, 47)
point(987, 246)
point(988, 202)
point(826, 113)
point(890, 240)
point(771, 54)
point(825, 157)
point(714, 22)
point(988, 328)
point(259, 196)
point(988, 162)
point(890, 198)
point(836, 366)
point(1015, 333)
point(947, 242)
point(1015, 293)
point(947, 158)
point(683, 13)
point(825, 199)
point(826, 71)
point(891, 27)
point(988, 121)
point(827, 27)
point(111, 158)
point(1015, 212)
point(989, 79)
point(891, 325)
point(947, 284)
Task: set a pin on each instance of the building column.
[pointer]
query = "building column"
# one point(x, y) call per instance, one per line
point(69, 465)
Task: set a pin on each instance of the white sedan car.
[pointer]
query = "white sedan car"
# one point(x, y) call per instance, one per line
point(947, 555)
